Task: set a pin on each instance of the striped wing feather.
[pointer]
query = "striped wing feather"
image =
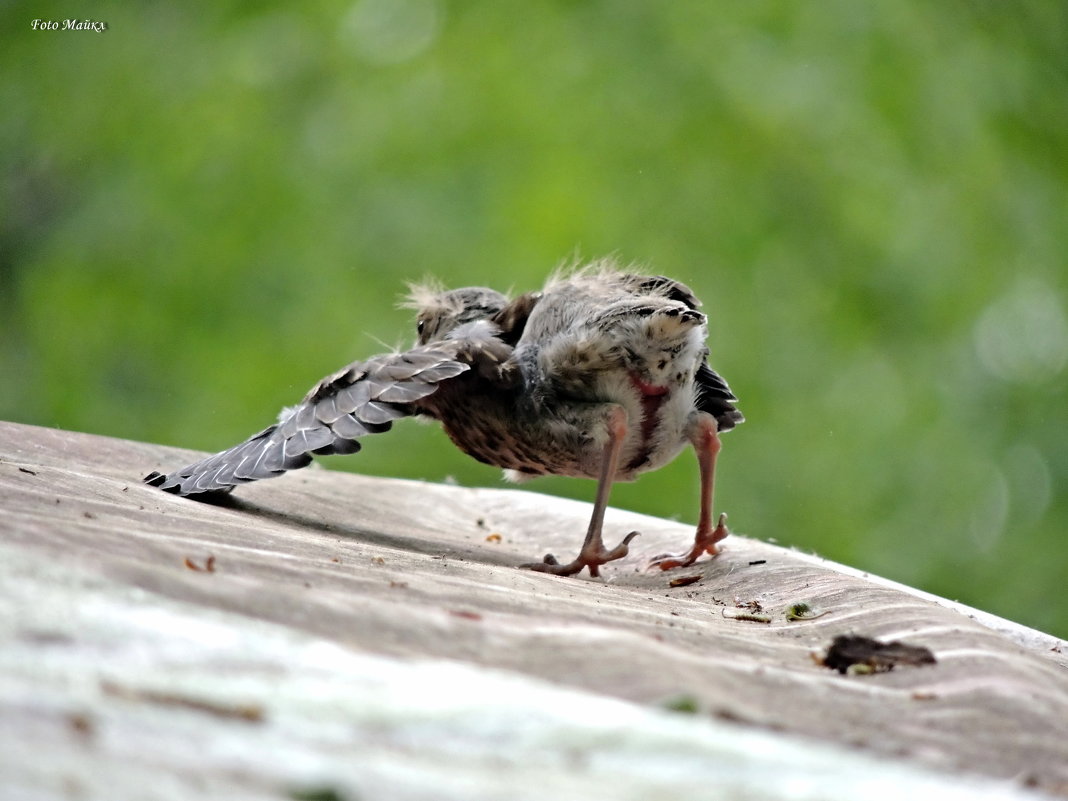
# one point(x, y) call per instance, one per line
point(363, 398)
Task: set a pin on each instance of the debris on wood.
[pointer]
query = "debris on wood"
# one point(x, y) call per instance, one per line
point(803, 610)
point(683, 581)
point(208, 567)
point(315, 794)
point(684, 703)
point(752, 617)
point(252, 713)
point(465, 614)
point(81, 724)
point(854, 654)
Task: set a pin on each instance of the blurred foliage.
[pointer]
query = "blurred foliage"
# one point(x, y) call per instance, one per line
point(210, 205)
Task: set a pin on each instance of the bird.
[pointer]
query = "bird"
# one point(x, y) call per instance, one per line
point(603, 374)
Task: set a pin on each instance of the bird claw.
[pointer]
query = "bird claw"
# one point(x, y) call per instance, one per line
point(704, 542)
point(592, 557)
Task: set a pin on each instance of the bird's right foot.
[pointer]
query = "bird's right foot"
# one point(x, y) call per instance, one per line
point(704, 542)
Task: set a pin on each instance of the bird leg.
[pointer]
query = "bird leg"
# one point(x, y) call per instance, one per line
point(704, 436)
point(593, 554)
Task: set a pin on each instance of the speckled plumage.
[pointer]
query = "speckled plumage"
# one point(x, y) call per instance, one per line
point(602, 374)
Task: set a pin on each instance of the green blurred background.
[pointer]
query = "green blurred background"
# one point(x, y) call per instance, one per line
point(211, 205)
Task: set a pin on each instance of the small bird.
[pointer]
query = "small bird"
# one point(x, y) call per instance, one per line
point(602, 374)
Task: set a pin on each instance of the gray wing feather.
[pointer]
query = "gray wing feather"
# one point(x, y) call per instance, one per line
point(304, 416)
point(355, 396)
point(348, 427)
point(442, 371)
point(327, 411)
point(376, 383)
point(363, 398)
point(377, 413)
point(307, 441)
point(406, 391)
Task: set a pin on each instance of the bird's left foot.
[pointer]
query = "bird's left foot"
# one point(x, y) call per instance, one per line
point(704, 542)
point(592, 557)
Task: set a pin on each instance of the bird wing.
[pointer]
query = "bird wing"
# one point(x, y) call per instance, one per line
point(511, 321)
point(663, 286)
point(716, 398)
point(363, 398)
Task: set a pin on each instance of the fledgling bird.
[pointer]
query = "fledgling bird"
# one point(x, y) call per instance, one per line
point(602, 374)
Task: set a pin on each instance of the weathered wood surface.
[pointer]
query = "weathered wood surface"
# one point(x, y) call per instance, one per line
point(384, 569)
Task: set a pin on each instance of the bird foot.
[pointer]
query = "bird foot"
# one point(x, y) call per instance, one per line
point(704, 542)
point(592, 556)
